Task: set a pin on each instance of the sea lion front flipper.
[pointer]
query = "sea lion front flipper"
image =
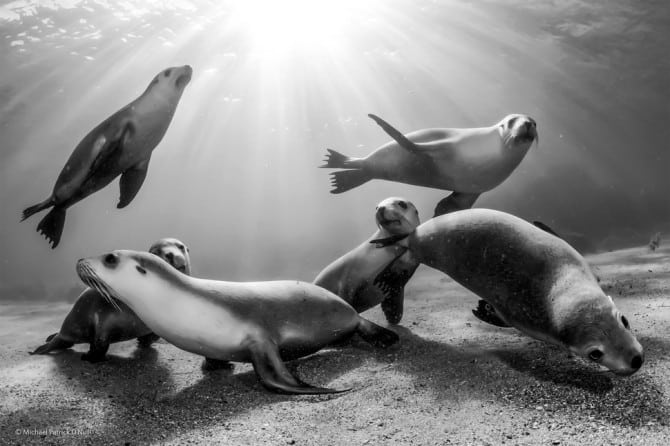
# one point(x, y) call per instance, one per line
point(131, 182)
point(456, 201)
point(376, 334)
point(106, 148)
point(486, 313)
point(98, 348)
point(391, 281)
point(274, 375)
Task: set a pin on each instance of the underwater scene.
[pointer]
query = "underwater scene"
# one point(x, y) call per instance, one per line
point(402, 222)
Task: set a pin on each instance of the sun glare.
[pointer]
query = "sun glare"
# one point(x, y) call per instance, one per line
point(275, 28)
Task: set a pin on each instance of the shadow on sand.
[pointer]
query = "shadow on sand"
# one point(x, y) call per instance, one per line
point(144, 401)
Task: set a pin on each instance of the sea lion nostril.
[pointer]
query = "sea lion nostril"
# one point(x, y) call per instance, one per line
point(637, 361)
point(170, 257)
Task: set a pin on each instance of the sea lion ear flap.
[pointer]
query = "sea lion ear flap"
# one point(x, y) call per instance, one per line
point(141, 269)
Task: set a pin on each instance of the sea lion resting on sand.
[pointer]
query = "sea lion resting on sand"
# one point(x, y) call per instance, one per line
point(258, 322)
point(535, 281)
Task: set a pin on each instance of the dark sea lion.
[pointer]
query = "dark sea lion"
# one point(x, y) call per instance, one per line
point(351, 276)
point(120, 145)
point(258, 322)
point(94, 320)
point(535, 281)
point(466, 161)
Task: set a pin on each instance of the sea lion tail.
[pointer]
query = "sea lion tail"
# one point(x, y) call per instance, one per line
point(29, 211)
point(51, 226)
point(336, 160)
point(376, 334)
point(345, 180)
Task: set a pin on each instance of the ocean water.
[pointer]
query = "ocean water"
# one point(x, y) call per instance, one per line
point(277, 83)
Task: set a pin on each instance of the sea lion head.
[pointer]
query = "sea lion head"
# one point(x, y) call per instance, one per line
point(133, 277)
point(172, 79)
point(397, 216)
point(597, 331)
point(518, 130)
point(173, 251)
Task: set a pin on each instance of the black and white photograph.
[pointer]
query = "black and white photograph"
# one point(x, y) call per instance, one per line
point(335, 222)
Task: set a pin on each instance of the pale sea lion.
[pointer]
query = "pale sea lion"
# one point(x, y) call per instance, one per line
point(258, 322)
point(467, 161)
point(120, 145)
point(351, 276)
point(94, 320)
point(535, 281)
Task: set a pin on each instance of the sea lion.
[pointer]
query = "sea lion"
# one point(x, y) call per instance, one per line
point(466, 161)
point(257, 322)
point(120, 145)
point(94, 320)
point(351, 276)
point(485, 312)
point(535, 281)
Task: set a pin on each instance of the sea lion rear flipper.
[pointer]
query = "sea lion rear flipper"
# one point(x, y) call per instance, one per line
point(27, 212)
point(546, 228)
point(54, 342)
point(146, 340)
point(486, 313)
point(456, 201)
point(404, 142)
point(337, 160)
point(131, 182)
point(376, 334)
point(274, 375)
point(345, 180)
point(51, 226)
point(396, 135)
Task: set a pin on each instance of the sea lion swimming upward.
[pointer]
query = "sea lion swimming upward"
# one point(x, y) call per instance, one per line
point(257, 322)
point(466, 161)
point(535, 281)
point(94, 320)
point(351, 276)
point(120, 145)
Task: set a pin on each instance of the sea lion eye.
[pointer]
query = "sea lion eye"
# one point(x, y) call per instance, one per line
point(140, 269)
point(167, 72)
point(402, 204)
point(624, 321)
point(111, 259)
point(595, 354)
point(182, 248)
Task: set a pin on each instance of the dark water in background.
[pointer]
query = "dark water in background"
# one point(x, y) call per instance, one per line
point(235, 176)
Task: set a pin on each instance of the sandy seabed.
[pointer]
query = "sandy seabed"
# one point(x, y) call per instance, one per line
point(451, 380)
